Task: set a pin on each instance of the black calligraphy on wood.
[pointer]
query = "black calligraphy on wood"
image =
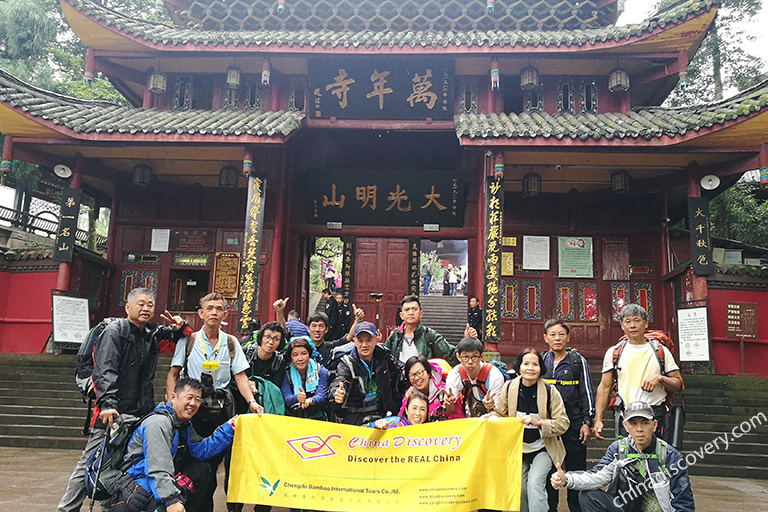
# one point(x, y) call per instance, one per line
point(65, 236)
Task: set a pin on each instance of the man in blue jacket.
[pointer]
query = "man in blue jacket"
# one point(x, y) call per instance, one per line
point(166, 444)
point(643, 474)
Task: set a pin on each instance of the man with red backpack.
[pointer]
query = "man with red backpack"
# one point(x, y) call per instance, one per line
point(472, 384)
point(640, 368)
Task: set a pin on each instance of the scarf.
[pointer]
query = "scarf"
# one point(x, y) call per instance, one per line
point(313, 377)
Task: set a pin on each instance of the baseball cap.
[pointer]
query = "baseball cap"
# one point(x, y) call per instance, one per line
point(638, 409)
point(365, 327)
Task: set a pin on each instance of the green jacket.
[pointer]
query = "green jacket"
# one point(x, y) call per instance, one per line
point(428, 342)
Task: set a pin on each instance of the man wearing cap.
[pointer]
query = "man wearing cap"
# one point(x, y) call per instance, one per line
point(366, 386)
point(643, 473)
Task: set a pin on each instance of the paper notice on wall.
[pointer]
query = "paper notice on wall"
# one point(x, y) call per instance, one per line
point(693, 334)
point(160, 240)
point(535, 253)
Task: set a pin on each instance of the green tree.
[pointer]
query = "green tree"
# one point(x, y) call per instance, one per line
point(26, 32)
point(736, 214)
point(722, 61)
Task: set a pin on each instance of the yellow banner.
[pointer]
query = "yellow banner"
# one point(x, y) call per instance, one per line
point(457, 465)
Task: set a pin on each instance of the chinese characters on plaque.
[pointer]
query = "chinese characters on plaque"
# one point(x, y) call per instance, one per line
point(386, 198)
point(741, 320)
point(494, 206)
point(414, 265)
point(381, 89)
point(701, 239)
point(347, 267)
point(226, 273)
point(249, 273)
point(574, 257)
point(65, 236)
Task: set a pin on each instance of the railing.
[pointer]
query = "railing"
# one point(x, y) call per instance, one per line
point(33, 223)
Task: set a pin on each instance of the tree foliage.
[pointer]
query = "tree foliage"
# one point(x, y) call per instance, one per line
point(38, 46)
point(722, 62)
point(736, 214)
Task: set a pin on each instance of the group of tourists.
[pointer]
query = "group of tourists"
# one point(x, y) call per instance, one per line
point(412, 377)
point(454, 278)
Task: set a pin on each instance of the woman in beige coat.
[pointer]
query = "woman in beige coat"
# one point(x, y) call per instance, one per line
point(540, 408)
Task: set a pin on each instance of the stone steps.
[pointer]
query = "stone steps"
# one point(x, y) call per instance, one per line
point(446, 315)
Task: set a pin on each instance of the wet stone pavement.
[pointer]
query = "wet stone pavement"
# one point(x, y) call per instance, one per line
point(34, 480)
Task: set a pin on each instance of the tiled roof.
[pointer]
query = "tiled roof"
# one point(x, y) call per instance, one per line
point(84, 116)
point(359, 15)
point(640, 123)
point(157, 33)
point(742, 270)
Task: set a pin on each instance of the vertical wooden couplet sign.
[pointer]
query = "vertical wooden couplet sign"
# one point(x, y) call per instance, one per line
point(414, 265)
point(494, 206)
point(249, 274)
point(701, 239)
point(65, 236)
point(347, 267)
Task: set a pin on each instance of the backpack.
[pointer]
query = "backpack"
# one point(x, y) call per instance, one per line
point(574, 360)
point(658, 340)
point(268, 395)
point(84, 369)
point(476, 407)
point(105, 464)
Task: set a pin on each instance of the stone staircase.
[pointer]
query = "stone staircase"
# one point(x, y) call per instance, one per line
point(716, 406)
point(447, 315)
point(41, 407)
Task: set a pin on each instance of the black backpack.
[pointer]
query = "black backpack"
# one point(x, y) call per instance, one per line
point(105, 464)
point(84, 369)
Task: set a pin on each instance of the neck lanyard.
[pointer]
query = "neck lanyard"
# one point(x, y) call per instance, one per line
point(202, 345)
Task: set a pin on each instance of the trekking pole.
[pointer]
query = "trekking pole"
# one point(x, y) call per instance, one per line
point(107, 438)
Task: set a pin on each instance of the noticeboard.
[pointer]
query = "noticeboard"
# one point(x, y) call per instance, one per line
point(693, 334)
point(741, 320)
point(71, 318)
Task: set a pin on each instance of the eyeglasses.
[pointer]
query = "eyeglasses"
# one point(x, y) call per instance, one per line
point(272, 339)
point(419, 373)
point(467, 359)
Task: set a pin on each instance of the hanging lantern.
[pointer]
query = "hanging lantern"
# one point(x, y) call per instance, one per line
point(88, 77)
point(228, 177)
point(531, 184)
point(494, 74)
point(247, 163)
point(763, 176)
point(5, 166)
point(142, 175)
point(684, 81)
point(157, 83)
point(233, 77)
point(280, 6)
point(158, 6)
point(620, 182)
point(529, 78)
point(620, 7)
point(265, 69)
point(489, 5)
point(618, 80)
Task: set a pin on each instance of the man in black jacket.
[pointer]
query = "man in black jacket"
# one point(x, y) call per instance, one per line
point(366, 386)
point(125, 357)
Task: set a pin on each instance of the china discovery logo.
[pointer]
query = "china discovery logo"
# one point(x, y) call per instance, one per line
point(313, 447)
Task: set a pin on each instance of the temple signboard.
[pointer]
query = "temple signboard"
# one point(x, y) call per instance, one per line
point(381, 89)
point(386, 198)
point(226, 274)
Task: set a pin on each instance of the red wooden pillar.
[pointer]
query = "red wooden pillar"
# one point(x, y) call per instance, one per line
point(275, 256)
point(62, 280)
point(112, 235)
point(699, 282)
point(7, 158)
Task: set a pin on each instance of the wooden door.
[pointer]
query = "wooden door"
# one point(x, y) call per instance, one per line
point(381, 266)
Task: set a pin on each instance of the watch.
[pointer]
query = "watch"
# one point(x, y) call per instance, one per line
point(251, 401)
